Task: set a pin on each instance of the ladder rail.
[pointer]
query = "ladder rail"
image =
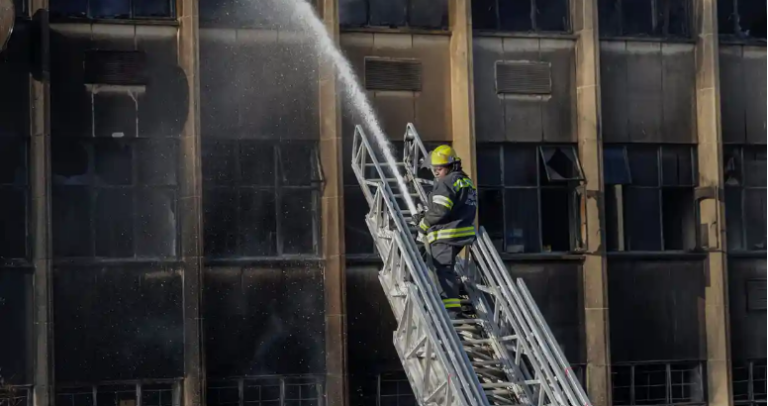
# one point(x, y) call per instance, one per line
point(437, 319)
point(553, 370)
point(513, 300)
point(413, 150)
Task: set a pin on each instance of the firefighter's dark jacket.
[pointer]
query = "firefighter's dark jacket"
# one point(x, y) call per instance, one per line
point(450, 217)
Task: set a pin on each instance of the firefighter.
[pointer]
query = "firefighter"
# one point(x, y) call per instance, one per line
point(448, 223)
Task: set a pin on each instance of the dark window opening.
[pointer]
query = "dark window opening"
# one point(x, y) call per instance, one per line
point(128, 394)
point(645, 18)
point(521, 16)
point(427, 14)
point(742, 18)
point(261, 199)
point(749, 387)
point(658, 384)
point(528, 197)
point(268, 391)
point(649, 197)
point(745, 197)
point(114, 198)
point(113, 9)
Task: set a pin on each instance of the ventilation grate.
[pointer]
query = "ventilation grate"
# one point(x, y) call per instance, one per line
point(756, 294)
point(115, 68)
point(523, 77)
point(392, 74)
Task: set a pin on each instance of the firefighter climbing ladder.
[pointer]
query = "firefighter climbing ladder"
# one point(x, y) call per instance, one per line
point(507, 355)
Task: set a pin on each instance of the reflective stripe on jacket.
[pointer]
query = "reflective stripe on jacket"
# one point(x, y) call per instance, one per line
point(450, 217)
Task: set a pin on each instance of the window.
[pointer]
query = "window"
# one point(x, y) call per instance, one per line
point(528, 196)
point(742, 18)
point(658, 384)
point(113, 9)
point(386, 389)
point(749, 383)
point(114, 198)
point(649, 197)
point(272, 391)
point(261, 199)
point(521, 15)
point(155, 394)
point(14, 395)
point(745, 205)
point(394, 13)
point(13, 194)
point(645, 18)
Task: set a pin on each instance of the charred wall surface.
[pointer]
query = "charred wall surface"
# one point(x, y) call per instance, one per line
point(130, 153)
point(16, 280)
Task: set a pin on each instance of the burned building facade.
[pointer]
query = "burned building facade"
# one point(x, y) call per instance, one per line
point(180, 223)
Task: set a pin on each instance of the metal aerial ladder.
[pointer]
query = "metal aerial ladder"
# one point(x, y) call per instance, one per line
point(506, 354)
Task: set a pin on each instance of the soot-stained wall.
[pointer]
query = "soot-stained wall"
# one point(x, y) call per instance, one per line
point(556, 288)
point(114, 167)
point(524, 117)
point(656, 310)
point(748, 326)
point(15, 282)
point(118, 322)
point(428, 109)
point(648, 92)
point(742, 97)
point(264, 320)
point(257, 84)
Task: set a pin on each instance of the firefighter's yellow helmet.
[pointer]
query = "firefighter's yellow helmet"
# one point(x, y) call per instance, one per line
point(444, 155)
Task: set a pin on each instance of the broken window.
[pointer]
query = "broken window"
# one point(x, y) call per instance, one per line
point(431, 14)
point(645, 18)
point(649, 198)
point(13, 195)
point(679, 383)
point(742, 18)
point(745, 197)
point(528, 196)
point(261, 199)
point(114, 198)
point(521, 16)
point(113, 9)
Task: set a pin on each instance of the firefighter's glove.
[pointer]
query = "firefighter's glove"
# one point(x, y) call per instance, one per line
point(418, 217)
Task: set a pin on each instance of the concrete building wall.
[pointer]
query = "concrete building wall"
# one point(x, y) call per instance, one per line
point(194, 236)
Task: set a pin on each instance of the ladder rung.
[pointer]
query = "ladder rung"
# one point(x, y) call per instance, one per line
point(496, 385)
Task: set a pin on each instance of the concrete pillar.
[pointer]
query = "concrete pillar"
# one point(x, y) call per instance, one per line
point(711, 209)
point(190, 208)
point(462, 89)
point(40, 213)
point(336, 379)
point(598, 372)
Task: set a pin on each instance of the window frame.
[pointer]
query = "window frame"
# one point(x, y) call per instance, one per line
point(656, 22)
point(93, 186)
point(533, 20)
point(660, 187)
point(574, 188)
point(695, 367)
point(408, 17)
point(132, 16)
point(742, 189)
point(752, 377)
point(278, 189)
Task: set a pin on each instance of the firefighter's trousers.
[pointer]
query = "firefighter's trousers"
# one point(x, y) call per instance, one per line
point(440, 259)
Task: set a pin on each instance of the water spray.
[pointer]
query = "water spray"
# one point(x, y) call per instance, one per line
point(354, 92)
